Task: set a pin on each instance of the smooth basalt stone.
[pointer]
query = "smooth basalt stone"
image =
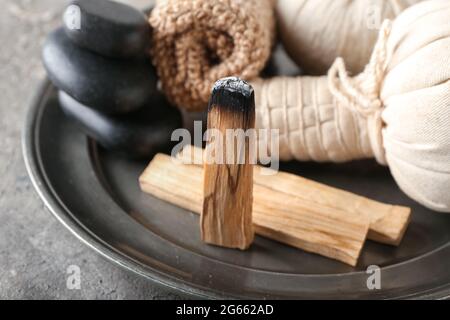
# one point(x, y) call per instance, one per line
point(107, 27)
point(107, 85)
point(138, 134)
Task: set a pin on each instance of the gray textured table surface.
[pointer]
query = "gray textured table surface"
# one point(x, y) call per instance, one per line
point(35, 249)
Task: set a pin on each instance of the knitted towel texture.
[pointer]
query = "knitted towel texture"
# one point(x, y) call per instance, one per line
point(397, 109)
point(196, 42)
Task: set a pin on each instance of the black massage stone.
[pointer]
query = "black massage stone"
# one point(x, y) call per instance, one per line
point(139, 134)
point(108, 28)
point(111, 86)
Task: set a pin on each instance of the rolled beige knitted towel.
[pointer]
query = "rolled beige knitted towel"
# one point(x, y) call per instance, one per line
point(316, 32)
point(397, 110)
point(196, 42)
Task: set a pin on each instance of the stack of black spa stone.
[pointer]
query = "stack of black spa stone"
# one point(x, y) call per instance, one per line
point(106, 82)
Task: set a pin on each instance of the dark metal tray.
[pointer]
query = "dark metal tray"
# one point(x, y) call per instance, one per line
point(96, 196)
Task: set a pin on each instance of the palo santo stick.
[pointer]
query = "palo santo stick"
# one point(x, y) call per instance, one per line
point(276, 215)
point(226, 218)
point(388, 223)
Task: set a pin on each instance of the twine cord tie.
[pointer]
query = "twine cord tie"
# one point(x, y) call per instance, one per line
point(361, 94)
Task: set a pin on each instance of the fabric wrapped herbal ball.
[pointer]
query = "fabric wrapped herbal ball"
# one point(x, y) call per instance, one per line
point(397, 110)
point(315, 32)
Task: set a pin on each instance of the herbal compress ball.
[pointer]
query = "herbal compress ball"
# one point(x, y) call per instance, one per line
point(397, 110)
point(316, 32)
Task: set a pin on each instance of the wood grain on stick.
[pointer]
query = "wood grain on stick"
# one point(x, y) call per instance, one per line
point(313, 227)
point(388, 223)
point(226, 218)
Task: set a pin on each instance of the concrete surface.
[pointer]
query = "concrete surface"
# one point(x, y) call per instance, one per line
point(35, 249)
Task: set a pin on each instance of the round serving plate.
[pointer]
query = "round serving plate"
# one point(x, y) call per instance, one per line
point(96, 195)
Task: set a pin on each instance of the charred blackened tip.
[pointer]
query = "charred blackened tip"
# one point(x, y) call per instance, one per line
point(232, 92)
point(233, 85)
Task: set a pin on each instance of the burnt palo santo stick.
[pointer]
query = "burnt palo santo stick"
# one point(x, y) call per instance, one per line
point(277, 215)
point(226, 218)
point(388, 223)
